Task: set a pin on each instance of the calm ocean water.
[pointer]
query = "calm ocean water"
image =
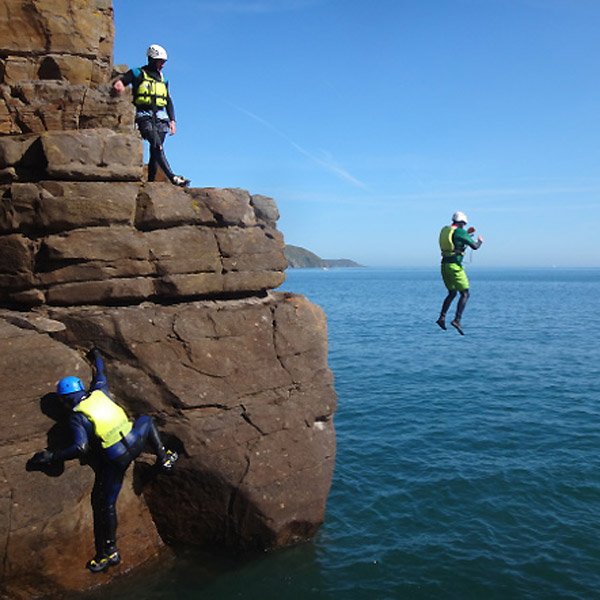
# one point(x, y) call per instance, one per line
point(467, 467)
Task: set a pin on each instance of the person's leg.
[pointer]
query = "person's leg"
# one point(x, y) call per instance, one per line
point(464, 296)
point(161, 129)
point(155, 134)
point(447, 302)
point(448, 278)
point(109, 483)
point(145, 431)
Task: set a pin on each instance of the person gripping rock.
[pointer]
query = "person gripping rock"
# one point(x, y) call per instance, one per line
point(102, 432)
point(155, 113)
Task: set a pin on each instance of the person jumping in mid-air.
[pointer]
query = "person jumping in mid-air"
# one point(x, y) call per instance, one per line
point(155, 114)
point(453, 243)
point(102, 432)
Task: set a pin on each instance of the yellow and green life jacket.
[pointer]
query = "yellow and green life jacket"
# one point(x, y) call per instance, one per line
point(109, 419)
point(446, 244)
point(151, 92)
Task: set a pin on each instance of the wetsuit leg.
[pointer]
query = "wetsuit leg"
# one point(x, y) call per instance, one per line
point(155, 133)
point(462, 301)
point(109, 480)
point(447, 302)
point(145, 431)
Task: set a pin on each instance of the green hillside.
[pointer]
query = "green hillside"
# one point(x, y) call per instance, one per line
point(301, 258)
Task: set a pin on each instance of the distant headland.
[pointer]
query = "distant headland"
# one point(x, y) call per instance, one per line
point(301, 258)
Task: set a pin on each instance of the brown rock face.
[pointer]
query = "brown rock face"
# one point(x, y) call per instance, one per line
point(55, 56)
point(67, 242)
point(175, 287)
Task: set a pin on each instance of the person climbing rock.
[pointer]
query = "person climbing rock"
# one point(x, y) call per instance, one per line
point(155, 114)
point(103, 435)
point(453, 242)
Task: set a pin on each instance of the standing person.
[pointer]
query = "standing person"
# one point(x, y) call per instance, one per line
point(453, 243)
point(155, 114)
point(102, 432)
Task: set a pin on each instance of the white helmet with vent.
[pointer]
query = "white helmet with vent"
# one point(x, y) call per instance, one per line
point(156, 52)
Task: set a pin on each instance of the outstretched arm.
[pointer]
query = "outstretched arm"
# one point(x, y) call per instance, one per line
point(79, 426)
point(120, 84)
point(99, 382)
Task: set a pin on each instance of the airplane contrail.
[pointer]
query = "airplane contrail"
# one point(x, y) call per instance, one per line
point(333, 168)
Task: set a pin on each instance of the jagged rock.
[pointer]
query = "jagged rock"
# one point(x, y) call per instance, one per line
point(161, 205)
point(38, 106)
point(55, 56)
point(88, 155)
point(95, 242)
point(265, 209)
point(240, 388)
point(230, 207)
point(55, 206)
point(46, 528)
point(255, 427)
point(52, 38)
point(175, 288)
point(93, 154)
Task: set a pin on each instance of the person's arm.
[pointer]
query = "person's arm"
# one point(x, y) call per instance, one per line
point(99, 382)
point(120, 84)
point(171, 113)
point(79, 425)
point(79, 429)
point(463, 236)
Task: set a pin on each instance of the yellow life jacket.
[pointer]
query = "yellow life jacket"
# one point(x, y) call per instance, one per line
point(446, 244)
point(110, 421)
point(151, 92)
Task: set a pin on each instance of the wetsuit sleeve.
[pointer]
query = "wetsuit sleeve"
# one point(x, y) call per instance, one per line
point(81, 429)
point(99, 382)
point(170, 106)
point(128, 78)
point(466, 239)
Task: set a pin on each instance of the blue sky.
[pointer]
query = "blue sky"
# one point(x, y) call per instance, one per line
point(370, 123)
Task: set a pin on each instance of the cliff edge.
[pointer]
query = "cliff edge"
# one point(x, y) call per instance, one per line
point(175, 287)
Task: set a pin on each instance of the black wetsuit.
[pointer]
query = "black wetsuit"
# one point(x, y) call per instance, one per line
point(109, 463)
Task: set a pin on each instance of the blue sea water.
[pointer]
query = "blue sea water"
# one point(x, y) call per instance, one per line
point(467, 467)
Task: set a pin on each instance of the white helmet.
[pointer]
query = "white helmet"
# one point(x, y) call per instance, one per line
point(459, 217)
point(156, 52)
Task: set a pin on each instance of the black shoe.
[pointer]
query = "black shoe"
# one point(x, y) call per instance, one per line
point(456, 325)
point(442, 323)
point(101, 563)
point(169, 462)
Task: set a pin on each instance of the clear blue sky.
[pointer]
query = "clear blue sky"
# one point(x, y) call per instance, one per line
point(371, 122)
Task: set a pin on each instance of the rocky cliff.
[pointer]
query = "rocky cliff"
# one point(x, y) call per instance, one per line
point(175, 288)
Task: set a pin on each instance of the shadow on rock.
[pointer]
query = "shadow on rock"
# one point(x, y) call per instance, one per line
point(144, 472)
point(58, 436)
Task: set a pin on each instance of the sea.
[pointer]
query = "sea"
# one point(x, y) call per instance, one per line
point(468, 467)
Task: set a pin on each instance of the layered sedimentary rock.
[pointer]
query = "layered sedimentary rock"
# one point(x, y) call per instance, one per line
point(67, 243)
point(175, 287)
point(55, 66)
point(240, 388)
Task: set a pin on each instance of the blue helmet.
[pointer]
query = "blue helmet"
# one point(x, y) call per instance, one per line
point(69, 385)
